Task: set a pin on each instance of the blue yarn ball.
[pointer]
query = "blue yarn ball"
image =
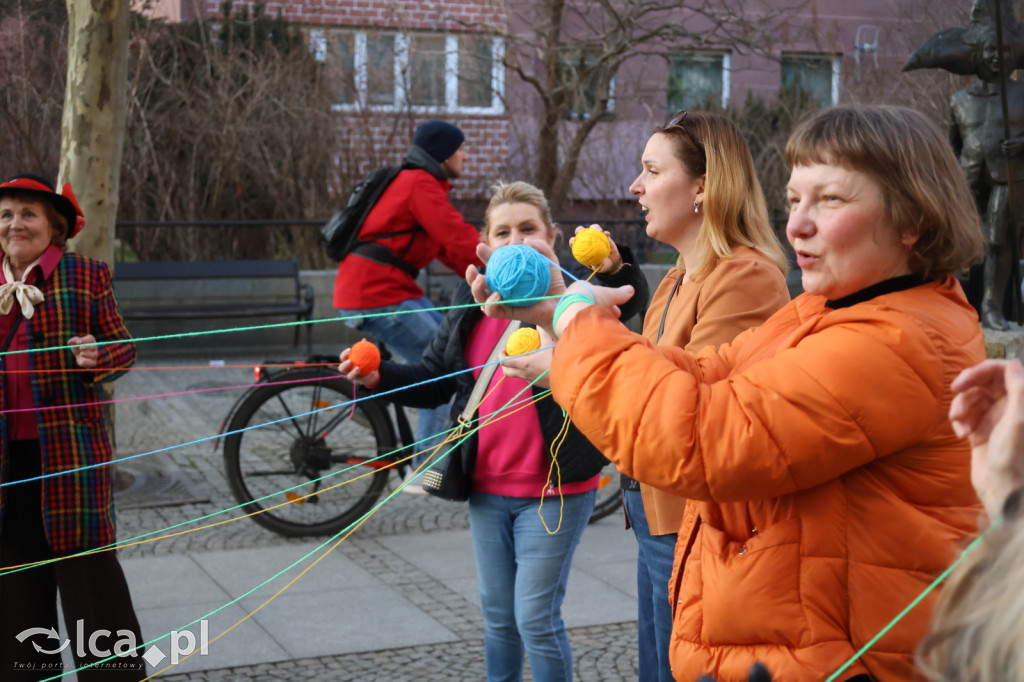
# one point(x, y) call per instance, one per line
point(518, 271)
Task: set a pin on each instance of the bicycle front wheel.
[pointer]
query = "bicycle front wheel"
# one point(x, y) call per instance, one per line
point(286, 435)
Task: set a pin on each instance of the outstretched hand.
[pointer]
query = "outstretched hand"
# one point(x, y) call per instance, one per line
point(607, 297)
point(989, 410)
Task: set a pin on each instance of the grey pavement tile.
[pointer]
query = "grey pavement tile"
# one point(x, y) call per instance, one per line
point(247, 644)
point(239, 571)
point(615, 571)
point(443, 555)
point(466, 587)
point(590, 601)
point(604, 539)
point(348, 620)
point(170, 581)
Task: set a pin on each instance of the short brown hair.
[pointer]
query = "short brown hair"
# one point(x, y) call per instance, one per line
point(925, 193)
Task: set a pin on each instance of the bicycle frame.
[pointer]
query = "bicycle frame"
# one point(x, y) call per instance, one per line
point(268, 370)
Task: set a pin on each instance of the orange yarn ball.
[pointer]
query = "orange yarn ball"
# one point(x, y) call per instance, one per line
point(590, 247)
point(521, 341)
point(365, 356)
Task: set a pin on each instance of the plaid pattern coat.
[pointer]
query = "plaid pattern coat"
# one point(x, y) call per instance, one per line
point(78, 511)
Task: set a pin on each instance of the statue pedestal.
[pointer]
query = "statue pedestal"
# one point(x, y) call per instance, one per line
point(1006, 345)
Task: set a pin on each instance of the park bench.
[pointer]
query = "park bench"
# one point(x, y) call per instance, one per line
point(172, 290)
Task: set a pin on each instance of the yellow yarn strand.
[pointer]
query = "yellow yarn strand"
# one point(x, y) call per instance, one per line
point(556, 445)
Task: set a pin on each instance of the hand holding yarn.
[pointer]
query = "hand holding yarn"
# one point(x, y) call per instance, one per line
point(594, 248)
point(361, 363)
point(517, 272)
point(365, 356)
point(531, 366)
point(521, 341)
point(538, 314)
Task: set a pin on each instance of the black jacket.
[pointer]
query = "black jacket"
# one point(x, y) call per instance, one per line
point(446, 355)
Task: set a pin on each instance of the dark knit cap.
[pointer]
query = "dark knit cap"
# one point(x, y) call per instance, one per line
point(439, 139)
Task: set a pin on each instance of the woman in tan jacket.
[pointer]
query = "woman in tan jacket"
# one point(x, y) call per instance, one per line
point(700, 192)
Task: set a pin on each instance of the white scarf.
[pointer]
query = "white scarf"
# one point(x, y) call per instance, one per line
point(28, 296)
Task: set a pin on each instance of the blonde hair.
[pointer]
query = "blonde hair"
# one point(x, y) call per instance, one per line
point(734, 208)
point(519, 192)
point(925, 193)
point(977, 630)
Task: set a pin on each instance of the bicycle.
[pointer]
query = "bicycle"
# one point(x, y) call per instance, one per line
point(348, 452)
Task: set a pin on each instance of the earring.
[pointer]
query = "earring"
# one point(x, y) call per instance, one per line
point(696, 207)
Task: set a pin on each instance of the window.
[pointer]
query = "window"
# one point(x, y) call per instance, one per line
point(375, 68)
point(817, 75)
point(476, 68)
point(340, 66)
point(572, 65)
point(426, 70)
point(421, 71)
point(695, 78)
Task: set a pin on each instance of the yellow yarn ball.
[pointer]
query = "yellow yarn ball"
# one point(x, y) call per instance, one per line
point(590, 247)
point(521, 341)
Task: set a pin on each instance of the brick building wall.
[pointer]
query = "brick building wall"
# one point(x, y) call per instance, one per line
point(498, 144)
point(371, 139)
point(449, 15)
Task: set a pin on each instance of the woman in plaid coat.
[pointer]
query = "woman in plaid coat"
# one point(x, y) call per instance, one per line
point(55, 485)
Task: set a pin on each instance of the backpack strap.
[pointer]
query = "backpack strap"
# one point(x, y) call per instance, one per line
point(378, 253)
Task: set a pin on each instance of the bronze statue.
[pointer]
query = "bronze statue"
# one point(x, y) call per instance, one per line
point(978, 133)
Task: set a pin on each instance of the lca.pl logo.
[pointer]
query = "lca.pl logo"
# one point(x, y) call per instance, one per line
point(182, 643)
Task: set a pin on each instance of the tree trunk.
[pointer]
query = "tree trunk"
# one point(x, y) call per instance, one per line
point(92, 128)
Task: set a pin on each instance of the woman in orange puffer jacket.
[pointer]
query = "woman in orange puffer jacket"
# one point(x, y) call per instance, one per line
point(826, 487)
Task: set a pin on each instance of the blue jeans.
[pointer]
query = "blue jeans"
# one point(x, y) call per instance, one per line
point(522, 572)
point(653, 572)
point(407, 335)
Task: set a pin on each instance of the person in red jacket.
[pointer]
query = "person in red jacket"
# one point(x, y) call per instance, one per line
point(416, 223)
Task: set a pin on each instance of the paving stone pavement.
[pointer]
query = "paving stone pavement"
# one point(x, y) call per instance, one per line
point(198, 488)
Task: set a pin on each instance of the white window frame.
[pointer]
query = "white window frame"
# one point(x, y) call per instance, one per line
point(318, 48)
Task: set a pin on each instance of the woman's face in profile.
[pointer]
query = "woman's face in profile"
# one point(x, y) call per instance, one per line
point(840, 232)
point(666, 192)
point(25, 230)
point(512, 223)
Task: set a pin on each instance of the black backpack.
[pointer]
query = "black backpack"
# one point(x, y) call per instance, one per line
point(339, 235)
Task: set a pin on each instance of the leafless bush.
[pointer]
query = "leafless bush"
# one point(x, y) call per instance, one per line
point(33, 47)
point(225, 122)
